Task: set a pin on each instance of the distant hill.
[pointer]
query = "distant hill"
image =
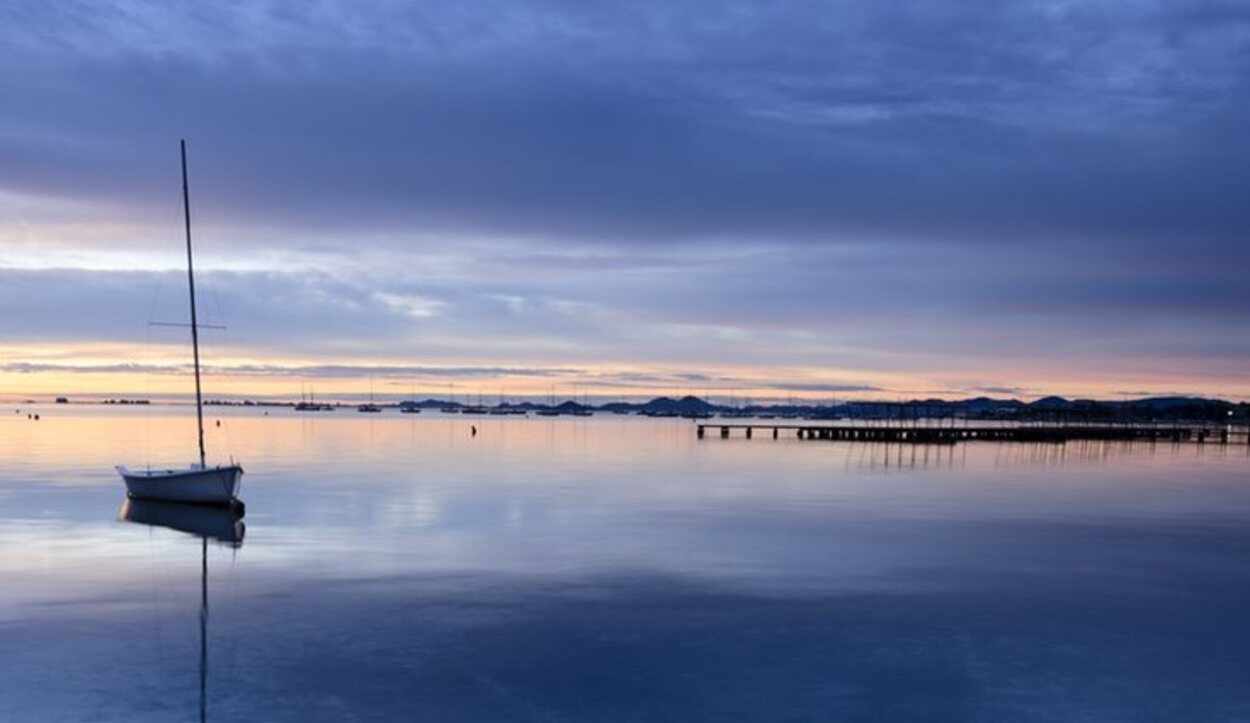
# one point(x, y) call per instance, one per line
point(686, 405)
point(1051, 407)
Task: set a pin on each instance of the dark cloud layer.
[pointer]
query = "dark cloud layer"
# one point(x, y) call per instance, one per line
point(1018, 122)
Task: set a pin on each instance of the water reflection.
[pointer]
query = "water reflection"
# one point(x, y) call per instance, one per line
point(620, 569)
point(210, 523)
point(871, 456)
point(224, 526)
point(895, 456)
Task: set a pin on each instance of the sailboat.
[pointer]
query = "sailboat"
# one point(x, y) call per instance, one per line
point(550, 410)
point(198, 483)
point(584, 410)
point(474, 408)
point(370, 407)
point(450, 407)
point(310, 404)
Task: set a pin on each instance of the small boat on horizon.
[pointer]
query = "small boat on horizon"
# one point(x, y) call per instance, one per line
point(451, 406)
point(370, 408)
point(478, 408)
point(551, 410)
point(310, 404)
point(197, 483)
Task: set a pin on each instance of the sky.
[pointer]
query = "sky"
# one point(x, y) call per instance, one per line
point(847, 199)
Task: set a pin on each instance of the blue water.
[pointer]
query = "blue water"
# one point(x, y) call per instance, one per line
point(619, 569)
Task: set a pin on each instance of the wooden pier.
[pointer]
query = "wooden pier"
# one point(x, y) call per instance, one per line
point(1054, 434)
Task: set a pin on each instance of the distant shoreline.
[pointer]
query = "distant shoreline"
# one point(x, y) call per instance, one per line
point(1052, 408)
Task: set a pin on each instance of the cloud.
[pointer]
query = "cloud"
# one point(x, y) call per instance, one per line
point(1011, 124)
point(324, 371)
point(415, 306)
point(1014, 391)
point(824, 387)
point(1027, 191)
point(868, 312)
point(39, 368)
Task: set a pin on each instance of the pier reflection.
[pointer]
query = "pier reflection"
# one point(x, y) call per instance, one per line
point(895, 456)
point(1094, 451)
point(224, 526)
point(905, 456)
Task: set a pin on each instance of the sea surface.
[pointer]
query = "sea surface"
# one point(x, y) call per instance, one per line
point(399, 567)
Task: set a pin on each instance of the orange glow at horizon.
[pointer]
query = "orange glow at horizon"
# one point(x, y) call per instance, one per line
point(162, 373)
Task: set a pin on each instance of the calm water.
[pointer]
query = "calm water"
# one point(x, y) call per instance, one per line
point(397, 568)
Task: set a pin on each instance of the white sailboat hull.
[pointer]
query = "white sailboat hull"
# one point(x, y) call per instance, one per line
point(195, 485)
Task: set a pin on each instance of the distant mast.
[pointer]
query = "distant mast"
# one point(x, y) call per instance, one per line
point(195, 330)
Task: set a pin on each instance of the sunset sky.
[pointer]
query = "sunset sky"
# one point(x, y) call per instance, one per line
point(846, 199)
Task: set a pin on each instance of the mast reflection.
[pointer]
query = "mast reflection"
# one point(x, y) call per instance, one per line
point(224, 526)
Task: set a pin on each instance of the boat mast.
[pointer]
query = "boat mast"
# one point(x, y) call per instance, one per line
point(195, 332)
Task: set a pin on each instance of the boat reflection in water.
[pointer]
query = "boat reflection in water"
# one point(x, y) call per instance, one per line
point(221, 525)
